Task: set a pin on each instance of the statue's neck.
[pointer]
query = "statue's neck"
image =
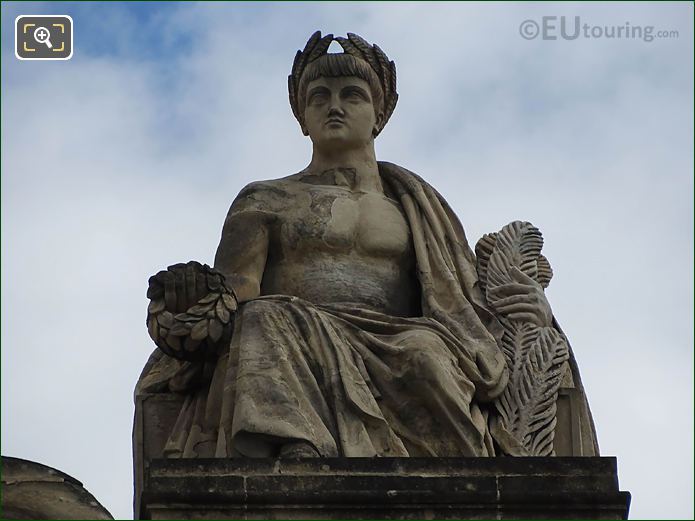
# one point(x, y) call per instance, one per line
point(358, 167)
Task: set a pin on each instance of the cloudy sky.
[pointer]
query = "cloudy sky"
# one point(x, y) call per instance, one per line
point(125, 158)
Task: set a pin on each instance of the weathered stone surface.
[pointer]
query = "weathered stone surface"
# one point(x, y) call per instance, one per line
point(34, 491)
point(527, 420)
point(345, 315)
point(155, 416)
point(385, 488)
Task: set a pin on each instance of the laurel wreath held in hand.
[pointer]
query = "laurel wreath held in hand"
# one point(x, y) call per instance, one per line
point(187, 335)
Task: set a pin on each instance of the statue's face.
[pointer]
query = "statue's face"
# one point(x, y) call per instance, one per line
point(339, 112)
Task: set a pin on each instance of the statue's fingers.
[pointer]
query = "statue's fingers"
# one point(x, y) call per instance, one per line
point(201, 283)
point(181, 293)
point(514, 287)
point(158, 277)
point(155, 287)
point(507, 290)
point(519, 307)
point(520, 276)
point(524, 317)
point(169, 291)
point(513, 299)
point(191, 284)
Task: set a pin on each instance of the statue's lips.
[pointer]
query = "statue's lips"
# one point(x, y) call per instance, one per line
point(332, 121)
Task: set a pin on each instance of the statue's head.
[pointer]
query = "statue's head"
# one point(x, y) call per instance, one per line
point(363, 71)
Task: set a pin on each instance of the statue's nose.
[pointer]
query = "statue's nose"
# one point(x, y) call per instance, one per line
point(336, 107)
point(336, 111)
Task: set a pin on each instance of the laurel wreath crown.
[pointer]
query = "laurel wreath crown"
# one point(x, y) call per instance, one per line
point(356, 46)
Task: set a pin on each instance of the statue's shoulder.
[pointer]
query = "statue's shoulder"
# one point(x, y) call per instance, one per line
point(285, 184)
point(400, 175)
point(267, 195)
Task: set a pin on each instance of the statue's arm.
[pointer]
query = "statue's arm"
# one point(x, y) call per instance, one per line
point(192, 305)
point(243, 250)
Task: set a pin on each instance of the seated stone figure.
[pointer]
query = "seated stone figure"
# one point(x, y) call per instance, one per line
point(353, 322)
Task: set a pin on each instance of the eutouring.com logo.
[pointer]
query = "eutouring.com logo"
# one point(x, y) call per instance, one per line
point(572, 28)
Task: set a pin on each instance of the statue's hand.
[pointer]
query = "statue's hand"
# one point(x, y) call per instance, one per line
point(521, 300)
point(180, 286)
point(191, 310)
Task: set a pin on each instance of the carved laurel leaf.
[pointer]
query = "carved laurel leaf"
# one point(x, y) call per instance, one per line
point(185, 317)
point(384, 66)
point(200, 330)
point(483, 251)
point(155, 306)
point(165, 319)
point(545, 272)
point(348, 47)
point(199, 310)
point(209, 298)
point(517, 244)
point(392, 66)
point(293, 97)
point(527, 408)
point(188, 335)
point(229, 302)
point(222, 312)
point(300, 59)
point(180, 329)
point(320, 48)
point(517, 340)
point(365, 49)
point(356, 46)
point(215, 330)
point(174, 342)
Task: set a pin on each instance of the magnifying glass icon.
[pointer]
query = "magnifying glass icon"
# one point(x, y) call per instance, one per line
point(43, 35)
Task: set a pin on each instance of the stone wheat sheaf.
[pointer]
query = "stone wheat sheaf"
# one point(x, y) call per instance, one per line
point(536, 356)
point(183, 335)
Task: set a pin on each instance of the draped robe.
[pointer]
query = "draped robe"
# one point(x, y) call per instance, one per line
point(349, 381)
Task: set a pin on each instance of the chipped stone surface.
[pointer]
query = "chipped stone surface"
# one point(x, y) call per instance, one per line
point(359, 325)
point(34, 491)
point(386, 488)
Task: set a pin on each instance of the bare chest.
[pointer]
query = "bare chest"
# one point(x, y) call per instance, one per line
point(328, 218)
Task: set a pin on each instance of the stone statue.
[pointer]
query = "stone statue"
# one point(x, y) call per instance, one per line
point(346, 314)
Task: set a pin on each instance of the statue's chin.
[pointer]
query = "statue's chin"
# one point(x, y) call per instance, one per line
point(336, 141)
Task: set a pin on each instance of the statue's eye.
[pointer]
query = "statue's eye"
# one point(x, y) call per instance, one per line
point(318, 97)
point(354, 95)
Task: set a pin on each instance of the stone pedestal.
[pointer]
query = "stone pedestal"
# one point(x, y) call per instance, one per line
point(384, 488)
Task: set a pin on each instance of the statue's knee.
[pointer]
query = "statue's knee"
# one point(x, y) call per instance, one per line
point(427, 355)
